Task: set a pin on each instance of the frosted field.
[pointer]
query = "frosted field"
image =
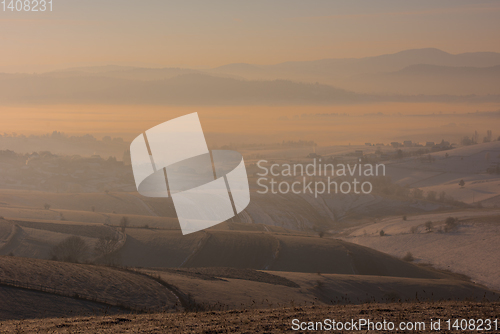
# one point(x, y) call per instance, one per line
point(472, 249)
point(469, 163)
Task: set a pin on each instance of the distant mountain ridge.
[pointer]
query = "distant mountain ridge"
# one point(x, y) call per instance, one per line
point(186, 89)
point(402, 76)
point(430, 79)
point(349, 73)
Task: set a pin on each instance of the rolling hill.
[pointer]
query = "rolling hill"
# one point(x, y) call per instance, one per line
point(92, 283)
point(19, 304)
point(213, 289)
point(87, 289)
point(446, 168)
point(469, 249)
point(234, 266)
point(241, 248)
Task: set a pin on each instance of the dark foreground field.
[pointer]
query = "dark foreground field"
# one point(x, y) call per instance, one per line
point(264, 321)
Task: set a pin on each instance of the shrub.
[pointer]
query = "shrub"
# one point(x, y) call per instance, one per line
point(450, 224)
point(71, 249)
point(428, 226)
point(404, 217)
point(408, 257)
point(46, 206)
point(450, 220)
point(382, 233)
point(92, 208)
point(413, 229)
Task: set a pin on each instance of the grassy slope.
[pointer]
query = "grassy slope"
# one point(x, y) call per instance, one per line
point(216, 248)
point(85, 217)
point(5, 230)
point(158, 248)
point(25, 304)
point(472, 249)
point(245, 292)
point(120, 202)
point(36, 243)
point(277, 320)
point(261, 250)
point(111, 285)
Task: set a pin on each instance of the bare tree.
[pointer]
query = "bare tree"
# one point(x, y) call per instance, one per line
point(488, 137)
point(417, 193)
point(431, 196)
point(450, 224)
point(105, 250)
point(124, 223)
point(408, 257)
point(71, 249)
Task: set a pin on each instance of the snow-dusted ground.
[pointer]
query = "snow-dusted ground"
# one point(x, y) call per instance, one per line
point(468, 163)
point(442, 172)
point(473, 249)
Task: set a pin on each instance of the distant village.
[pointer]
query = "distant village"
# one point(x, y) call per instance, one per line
point(395, 150)
point(46, 171)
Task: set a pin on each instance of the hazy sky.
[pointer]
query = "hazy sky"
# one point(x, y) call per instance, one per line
point(202, 33)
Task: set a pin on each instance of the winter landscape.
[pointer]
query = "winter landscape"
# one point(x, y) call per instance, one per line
point(369, 133)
